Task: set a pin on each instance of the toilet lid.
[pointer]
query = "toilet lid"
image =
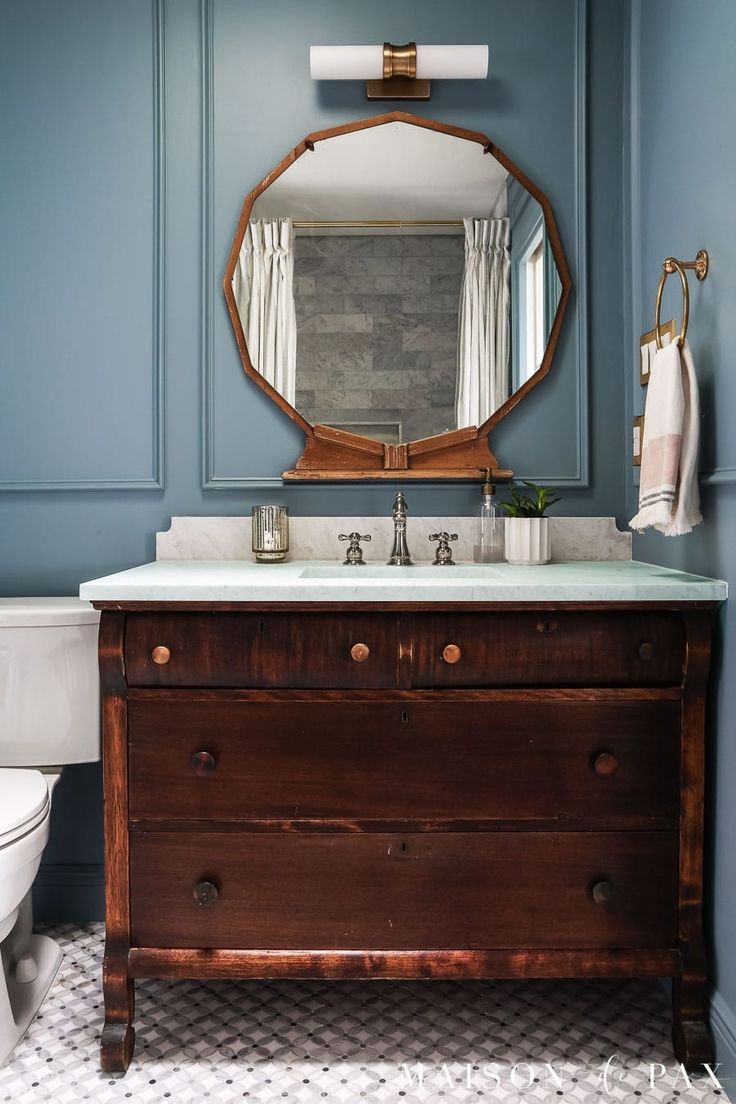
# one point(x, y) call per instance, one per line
point(24, 795)
point(22, 612)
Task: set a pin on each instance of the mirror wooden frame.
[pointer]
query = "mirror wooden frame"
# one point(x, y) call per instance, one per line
point(460, 454)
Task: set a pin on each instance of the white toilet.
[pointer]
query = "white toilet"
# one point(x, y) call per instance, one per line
point(49, 716)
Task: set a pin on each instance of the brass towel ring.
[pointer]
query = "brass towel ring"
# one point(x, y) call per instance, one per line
point(670, 265)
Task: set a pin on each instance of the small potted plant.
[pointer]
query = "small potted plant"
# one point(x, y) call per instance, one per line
point(526, 527)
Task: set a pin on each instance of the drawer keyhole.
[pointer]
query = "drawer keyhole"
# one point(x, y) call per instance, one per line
point(546, 626)
point(404, 847)
point(405, 717)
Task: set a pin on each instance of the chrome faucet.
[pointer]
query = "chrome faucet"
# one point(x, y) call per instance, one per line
point(400, 553)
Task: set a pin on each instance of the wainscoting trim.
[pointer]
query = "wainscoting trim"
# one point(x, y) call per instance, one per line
point(708, 477)
point(68, 892)
point(158, 352)
point(723, 1022)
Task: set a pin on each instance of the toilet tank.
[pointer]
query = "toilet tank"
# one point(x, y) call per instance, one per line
point(49, 682)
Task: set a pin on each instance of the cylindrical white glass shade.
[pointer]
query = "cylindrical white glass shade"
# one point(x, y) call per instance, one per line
point(452, 62)
point(366, 62)
point(346, 62)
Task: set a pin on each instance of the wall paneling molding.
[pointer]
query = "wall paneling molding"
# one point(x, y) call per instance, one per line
point(158, 346)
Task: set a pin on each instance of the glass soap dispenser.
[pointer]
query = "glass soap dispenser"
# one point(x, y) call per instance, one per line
point(489, 533)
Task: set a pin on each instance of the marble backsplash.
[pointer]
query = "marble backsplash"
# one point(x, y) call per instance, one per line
point(315, 538)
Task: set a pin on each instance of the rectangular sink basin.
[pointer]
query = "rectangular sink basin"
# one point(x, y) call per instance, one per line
point(403, 574)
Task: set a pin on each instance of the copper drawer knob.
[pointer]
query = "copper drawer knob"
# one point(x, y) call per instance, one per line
point(646, 650)
point(602, 893)
point(360, 652)
point(161, 654)
point(605, 764)
point(452, 653)
point(205, 894)
point(203, 762)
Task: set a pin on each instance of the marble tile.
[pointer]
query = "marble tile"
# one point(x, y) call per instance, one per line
point(447, 284)
point(315, 538)
point(304, 285)
point(432, 265)
point(374, 266)
point(380, 304)
point(429, 304)
point(429, 341)
point(349, 1042)
point(452, 245)
point(350, 285)
point(328, 581)
point(307, 306)
point(343, 323)
point(404, 285)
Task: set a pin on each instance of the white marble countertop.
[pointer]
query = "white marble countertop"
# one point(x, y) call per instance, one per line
point(325, 581)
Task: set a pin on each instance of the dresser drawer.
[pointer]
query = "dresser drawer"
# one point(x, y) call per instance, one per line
point(546, 649)
point(387, 891)
point(612, 762)
point(262, 650)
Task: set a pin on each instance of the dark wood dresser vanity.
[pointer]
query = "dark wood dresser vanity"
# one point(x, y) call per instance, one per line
point(404, 791)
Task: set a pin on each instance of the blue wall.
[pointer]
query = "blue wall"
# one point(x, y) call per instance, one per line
point(131, 134)
point(680, 173)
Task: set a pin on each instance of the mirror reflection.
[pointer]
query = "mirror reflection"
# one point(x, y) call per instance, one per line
point(396, 282)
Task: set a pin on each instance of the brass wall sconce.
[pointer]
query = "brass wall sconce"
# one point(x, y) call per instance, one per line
point(399, 72)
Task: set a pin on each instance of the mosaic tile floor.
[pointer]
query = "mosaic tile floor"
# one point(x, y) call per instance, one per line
point(311, 1042)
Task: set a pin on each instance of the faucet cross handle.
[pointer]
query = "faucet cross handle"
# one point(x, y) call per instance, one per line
point(443, 554)
point(354, 556)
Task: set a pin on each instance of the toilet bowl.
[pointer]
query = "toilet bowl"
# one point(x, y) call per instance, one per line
point(49, 716)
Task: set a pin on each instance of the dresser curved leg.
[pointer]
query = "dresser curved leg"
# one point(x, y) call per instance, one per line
point(691, 1038)
point(118, 1034)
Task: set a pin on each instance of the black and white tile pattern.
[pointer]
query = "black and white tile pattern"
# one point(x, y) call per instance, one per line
point(353, 1042)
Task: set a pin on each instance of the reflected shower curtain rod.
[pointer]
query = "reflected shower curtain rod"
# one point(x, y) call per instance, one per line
point(318, 223)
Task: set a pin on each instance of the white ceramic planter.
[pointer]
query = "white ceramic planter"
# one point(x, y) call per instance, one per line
point(527, 540)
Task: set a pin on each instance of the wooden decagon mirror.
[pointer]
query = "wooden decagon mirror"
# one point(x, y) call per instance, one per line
point(396, 285)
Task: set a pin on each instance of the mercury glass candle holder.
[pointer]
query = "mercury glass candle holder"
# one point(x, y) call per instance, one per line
point(270, 526)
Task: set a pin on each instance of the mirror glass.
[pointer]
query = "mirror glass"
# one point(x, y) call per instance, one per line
point(396, 282)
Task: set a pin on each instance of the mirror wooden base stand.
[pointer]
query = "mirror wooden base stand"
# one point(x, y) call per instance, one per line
point(332, 454)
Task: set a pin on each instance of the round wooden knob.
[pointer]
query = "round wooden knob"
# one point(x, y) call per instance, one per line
point(205, 894)
point(646, 650)
point(602, 893)
point(605, 764)
point(360, 652)
point(203, 762)
point(161, 654)
point(452, 653)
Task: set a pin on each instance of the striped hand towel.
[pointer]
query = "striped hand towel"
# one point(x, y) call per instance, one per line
point(669, 499)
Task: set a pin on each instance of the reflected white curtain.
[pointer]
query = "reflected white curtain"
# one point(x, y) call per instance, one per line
point(263, 285)
point(484, 325)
